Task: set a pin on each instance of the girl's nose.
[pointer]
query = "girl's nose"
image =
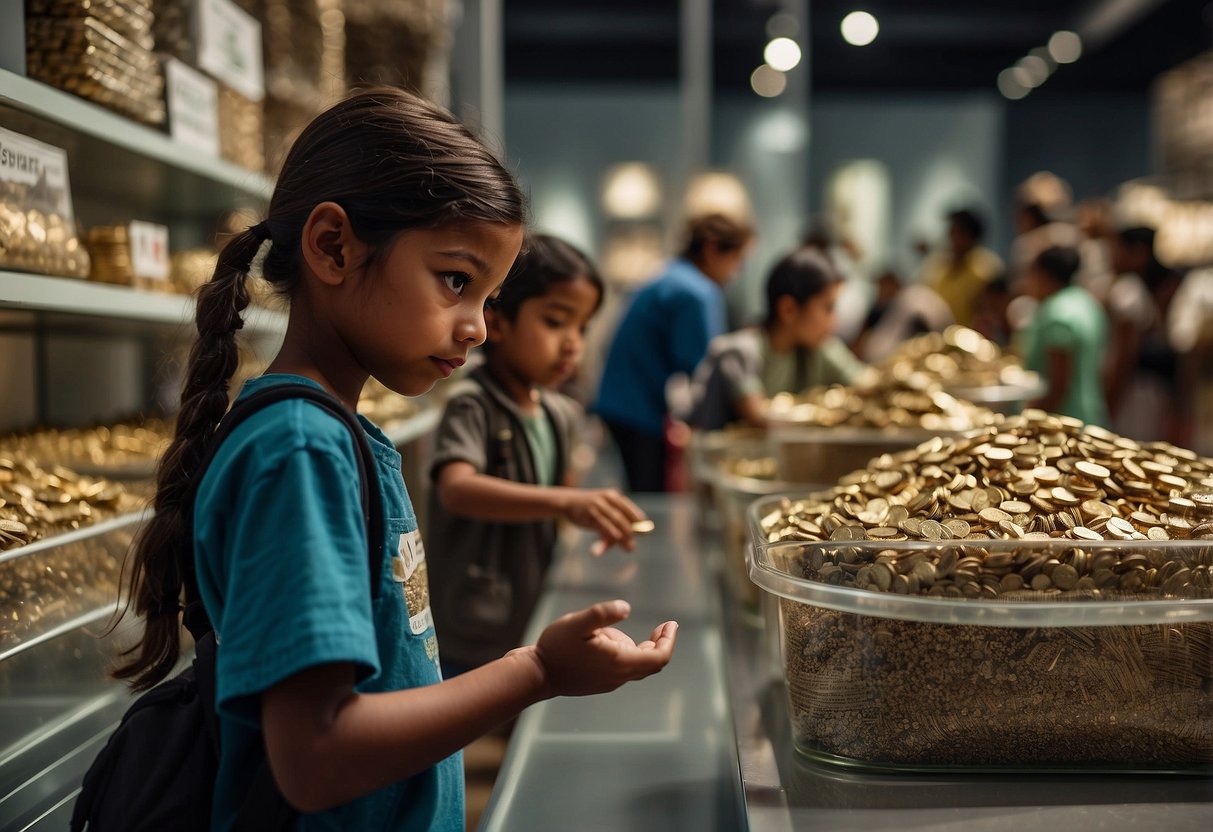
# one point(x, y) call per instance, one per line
point(471, 330)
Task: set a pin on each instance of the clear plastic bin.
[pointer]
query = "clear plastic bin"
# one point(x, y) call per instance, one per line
point(806, 459)
point(1027, 681)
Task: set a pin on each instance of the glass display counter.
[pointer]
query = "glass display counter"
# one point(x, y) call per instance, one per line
point(57, 702)
point(705, 745)
point(58, 705)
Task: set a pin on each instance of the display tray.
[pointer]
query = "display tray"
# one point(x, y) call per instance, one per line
point(1024, 681)
point(807, 454)
point(802, 459)
point(1002, 398)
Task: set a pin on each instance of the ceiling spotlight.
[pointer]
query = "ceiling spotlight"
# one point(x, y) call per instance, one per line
point(782, 54)
point(1035, 70)
point(1065, 47)
point(1011, 85)
point(631, 191)
point(768, 81)
point(859, 28)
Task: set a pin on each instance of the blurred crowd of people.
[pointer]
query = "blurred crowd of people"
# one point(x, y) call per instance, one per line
point(1082, 298)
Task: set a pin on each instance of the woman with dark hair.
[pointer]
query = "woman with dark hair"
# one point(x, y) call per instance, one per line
point(665, 331)
point(795, 347)
point(1066, 338)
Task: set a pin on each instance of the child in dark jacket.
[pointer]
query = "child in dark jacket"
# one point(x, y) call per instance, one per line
point(500, 472)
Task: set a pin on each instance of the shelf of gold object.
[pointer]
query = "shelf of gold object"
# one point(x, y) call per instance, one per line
point(80, 300)
point(62, 582)
point(128, 162)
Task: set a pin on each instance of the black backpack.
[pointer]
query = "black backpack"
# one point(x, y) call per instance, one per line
point(157, 771)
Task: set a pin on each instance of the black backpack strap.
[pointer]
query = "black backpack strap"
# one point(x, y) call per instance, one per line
point(195, 618)
point(264, 807)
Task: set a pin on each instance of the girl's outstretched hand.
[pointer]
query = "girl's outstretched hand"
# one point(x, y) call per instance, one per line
point(607, 512)
point(581, 653)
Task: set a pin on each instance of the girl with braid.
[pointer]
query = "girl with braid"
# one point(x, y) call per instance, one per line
point(389, 230)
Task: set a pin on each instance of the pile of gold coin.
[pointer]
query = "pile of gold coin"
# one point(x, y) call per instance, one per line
point(108, 450)
point(36, 240)
point(45, 589)
point(883, 402)
point(755, 468)
point(100, 51)
point(109, 248)
point(241, 129)
point(957, 358)
point(190, 268)
point(1032, 478)
point(37, 502)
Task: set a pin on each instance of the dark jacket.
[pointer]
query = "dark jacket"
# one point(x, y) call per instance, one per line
point(486, 577)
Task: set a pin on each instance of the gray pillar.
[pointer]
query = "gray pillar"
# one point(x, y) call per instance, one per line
point(478, 71)
point(695, 96)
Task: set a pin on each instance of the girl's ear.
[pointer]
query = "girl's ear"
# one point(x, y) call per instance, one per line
point(331, 250)
point(786, 309)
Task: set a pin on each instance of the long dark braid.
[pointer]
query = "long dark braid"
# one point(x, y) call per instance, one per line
point(156, 577)
point(393, 161)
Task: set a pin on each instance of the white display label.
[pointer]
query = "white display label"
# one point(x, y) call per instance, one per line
point(412, 551)
point(43, 167)
point(149, 250)
point(193, 107)
point(229, 46)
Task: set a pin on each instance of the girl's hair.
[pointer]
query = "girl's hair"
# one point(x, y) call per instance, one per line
point(1059, 262)
point(801, 275)
point(393, 162)
point(544, 261)
point(727, 233)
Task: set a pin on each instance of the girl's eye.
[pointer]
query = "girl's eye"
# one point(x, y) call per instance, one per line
point(456, 281)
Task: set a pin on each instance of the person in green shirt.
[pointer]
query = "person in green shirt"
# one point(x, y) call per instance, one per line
point(1066, 339)
point(795, 348)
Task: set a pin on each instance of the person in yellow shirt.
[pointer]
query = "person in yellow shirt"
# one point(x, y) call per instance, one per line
point(960, 272)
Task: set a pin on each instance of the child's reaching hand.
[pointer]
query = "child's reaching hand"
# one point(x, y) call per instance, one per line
point(580, 653)
point(607, 512)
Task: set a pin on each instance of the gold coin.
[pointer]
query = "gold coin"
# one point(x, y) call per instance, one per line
point(1083, 533)
point(1092, 470)
point(643, 527)
point(993, 515)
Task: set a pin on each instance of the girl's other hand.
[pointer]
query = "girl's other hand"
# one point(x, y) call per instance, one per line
point(607, 512)
point(581, 653)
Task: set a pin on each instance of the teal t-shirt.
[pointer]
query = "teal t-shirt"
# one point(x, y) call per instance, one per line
point(1073, 321)
point(281, 553)
point(541, 439)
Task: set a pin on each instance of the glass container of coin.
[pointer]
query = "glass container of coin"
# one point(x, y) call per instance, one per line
point(1033, 596)
point(109, 248)
point(745, 472)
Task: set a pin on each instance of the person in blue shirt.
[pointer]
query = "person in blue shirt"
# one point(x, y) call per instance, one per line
point(666, 330)
point(390, 228)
